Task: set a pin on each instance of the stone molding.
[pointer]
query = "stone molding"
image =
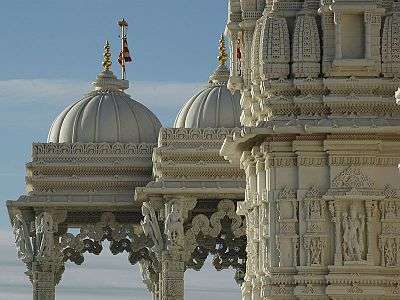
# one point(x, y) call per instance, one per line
point(92, 167)
point(59, 150)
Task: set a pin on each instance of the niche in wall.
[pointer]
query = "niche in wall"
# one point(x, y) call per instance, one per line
point(353, 36)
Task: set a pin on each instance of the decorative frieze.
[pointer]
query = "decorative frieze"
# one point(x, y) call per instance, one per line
point(207, 137)
point(57, 151)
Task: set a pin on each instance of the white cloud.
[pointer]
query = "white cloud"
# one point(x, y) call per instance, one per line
point(163, 98)
point(6, 238)
point(39, 90)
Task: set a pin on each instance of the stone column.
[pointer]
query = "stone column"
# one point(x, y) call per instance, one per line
point(172, 259)
point(336, 215)
point(368, 31)
point(338, 35)
point(157, 289)
point(246, 290)
point(172, 274)
point(38, 248)
point(256, 285)
point(43, 280)
point(234, 62)
point(156, 293)
point(247, 25)
point(47, 265)
point(235, 81)
point(372, 213)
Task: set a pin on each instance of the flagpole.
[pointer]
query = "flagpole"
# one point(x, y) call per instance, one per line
point(123, 24)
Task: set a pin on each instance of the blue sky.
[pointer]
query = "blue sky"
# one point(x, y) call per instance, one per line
point(49, 53)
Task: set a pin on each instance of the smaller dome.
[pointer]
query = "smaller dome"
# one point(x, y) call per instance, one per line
point(106, 114)
point(215, 106)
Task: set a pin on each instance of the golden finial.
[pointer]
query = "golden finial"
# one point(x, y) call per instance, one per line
point(222, 56)
point(107, 57)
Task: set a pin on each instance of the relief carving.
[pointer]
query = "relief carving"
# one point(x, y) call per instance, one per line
point(173, 227)
point(353, 235)
point(151, 227)
point(315, 251)
point(390, 252)
point(22, 239)
point(38, 248)
point(44, 227)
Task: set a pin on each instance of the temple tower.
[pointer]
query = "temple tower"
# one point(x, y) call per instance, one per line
point(320, 146)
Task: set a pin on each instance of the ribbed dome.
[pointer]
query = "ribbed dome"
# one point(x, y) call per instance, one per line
point(106, 114)
point(214, 106)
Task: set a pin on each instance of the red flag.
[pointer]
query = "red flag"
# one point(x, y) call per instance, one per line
point(239, 58)
point(238, 53)
point(124, 55)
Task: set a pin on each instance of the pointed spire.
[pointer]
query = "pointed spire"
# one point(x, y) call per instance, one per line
point(221, 74)
point(222, 56)
point(107, 57)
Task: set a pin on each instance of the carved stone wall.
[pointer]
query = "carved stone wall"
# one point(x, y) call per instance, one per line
point(321, 216)
point(298, 65)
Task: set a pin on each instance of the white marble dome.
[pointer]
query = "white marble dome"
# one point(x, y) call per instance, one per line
point(106, 114)
point(214, 106)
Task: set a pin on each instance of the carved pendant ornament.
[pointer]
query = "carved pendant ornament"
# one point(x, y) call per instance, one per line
point(222, 236)
point(122, 238)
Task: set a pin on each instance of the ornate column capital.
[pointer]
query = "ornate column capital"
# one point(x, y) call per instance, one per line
point(39, 248)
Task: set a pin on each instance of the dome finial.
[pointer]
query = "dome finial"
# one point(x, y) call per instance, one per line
point(107, 57)
point(222, 56)
point(106, 80)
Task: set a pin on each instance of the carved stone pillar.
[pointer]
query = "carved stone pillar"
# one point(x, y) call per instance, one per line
point(172, 274)
point(235, 80)
point(247, 27)
point(336, 219)
point(249, 165)
point(43, 280)
point(328, 36)
point(47, 265)
point(39, 249)
point(246, 290)
point(172, 259)
point(234, 62)
point(372, 216)
point(256, 292)
point(338, 35)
